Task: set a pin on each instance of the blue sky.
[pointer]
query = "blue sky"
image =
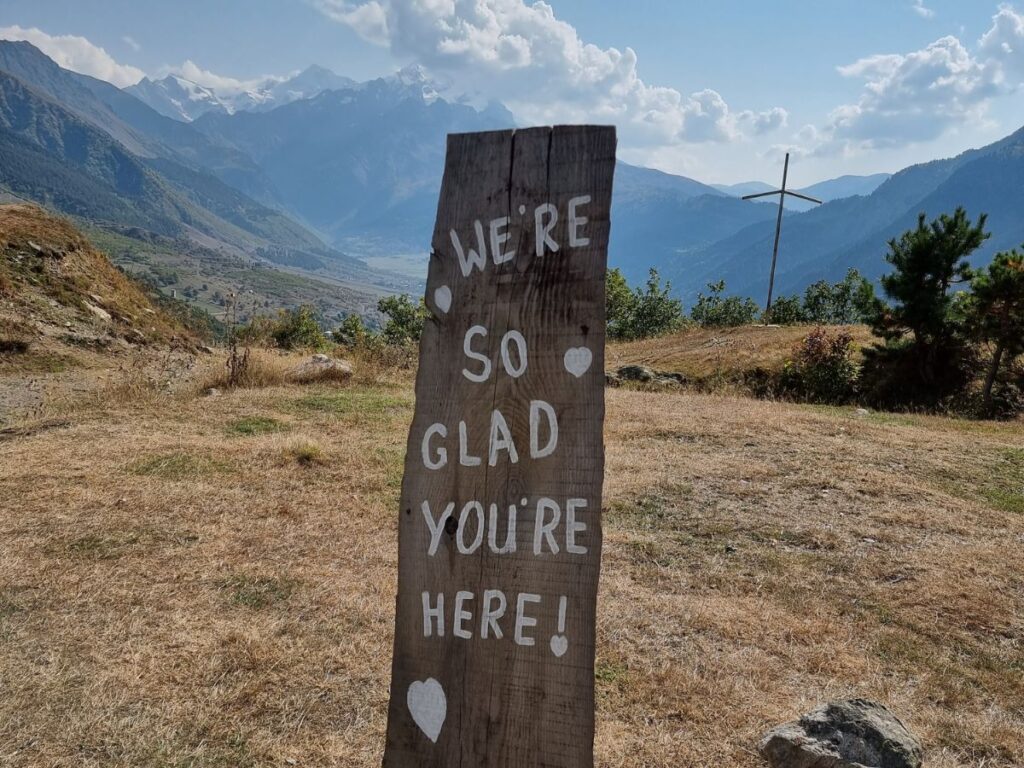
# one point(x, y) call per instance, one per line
point(715, 90)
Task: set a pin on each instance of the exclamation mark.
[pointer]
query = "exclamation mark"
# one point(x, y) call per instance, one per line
point(559, 642)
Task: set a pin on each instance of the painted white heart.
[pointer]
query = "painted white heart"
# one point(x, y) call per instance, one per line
point(428, 706)
point(577, 360)
point(559, 645)
point(443, 298)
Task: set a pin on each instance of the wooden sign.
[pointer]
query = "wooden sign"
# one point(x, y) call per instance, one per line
point(500, 520)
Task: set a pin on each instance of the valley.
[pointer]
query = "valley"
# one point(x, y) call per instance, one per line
point(324, 184)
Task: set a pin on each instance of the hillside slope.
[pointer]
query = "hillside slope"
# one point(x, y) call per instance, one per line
point(56, 286)
point(852, 232)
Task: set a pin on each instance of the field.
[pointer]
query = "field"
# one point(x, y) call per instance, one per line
point(209, 581)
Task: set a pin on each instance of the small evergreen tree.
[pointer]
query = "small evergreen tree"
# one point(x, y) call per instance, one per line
point(995, 313)
point(928, 262)
point(925, 357)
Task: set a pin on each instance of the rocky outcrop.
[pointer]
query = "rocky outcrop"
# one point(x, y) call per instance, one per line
point(856, 733)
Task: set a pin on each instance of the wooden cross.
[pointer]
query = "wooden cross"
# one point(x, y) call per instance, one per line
point(778, 229)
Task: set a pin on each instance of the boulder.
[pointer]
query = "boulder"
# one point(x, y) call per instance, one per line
point(101, 313)
point(636, 373)
point(321, 368)
point(855, 733)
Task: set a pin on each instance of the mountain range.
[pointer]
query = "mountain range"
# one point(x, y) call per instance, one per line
point(321, 179)
point(830, 189)
point(183, 99)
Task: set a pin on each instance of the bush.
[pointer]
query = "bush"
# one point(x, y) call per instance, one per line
point(788, 310)
point(891, 375)
point(640, 313)
point(619, 304)
point(298, 329)
point(823, 369)
point(852, 300)
point(352, 332)
point(290, 329)
point(717, 311)
point(405, 319)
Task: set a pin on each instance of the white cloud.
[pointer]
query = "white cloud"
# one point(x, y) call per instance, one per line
point(922, 10)
point(916, 97)
point(1003, 45)
point(535, 63)
point(369, 19)
point(131, 42)
point(77, 54)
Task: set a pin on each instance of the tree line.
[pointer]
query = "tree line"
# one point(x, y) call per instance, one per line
point(950, 335)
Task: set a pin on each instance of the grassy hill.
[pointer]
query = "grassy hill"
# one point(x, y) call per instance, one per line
point(51, 276)
point(720, 354)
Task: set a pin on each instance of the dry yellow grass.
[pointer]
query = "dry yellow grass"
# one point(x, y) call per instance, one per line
point(189, 581)
point(704, 353)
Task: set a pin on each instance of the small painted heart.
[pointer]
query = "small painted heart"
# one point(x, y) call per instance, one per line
point(443, 298)
point(578, 360)
point(559, 645)
point(428, 706)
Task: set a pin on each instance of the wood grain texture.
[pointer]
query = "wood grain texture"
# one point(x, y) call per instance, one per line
point(507, 703)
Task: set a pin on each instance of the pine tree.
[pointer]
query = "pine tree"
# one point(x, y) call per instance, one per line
point(928, 262)
point(996, 313)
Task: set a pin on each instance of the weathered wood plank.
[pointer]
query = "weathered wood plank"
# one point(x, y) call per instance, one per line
point(524, 698)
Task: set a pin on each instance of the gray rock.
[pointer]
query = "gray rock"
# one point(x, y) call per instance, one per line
point(636, 373)
point(856, 733)
point(101, 313)
point(319, 368)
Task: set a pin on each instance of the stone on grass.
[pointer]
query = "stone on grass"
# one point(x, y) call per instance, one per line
point(321, 368)
point(100, 312)
point(636, 373)
point(856, 733)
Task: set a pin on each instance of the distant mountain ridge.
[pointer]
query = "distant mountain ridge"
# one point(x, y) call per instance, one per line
point(830, 189)
point(182, 99)
point(853, 231)
point(91, 150)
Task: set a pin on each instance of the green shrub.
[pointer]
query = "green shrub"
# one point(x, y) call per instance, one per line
point(290, 329)
point(714, 310)
point(405, 319)
point(849, 301)
point(643, 312)
point(352, 332)
point(787, 310)
point(823, 369)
